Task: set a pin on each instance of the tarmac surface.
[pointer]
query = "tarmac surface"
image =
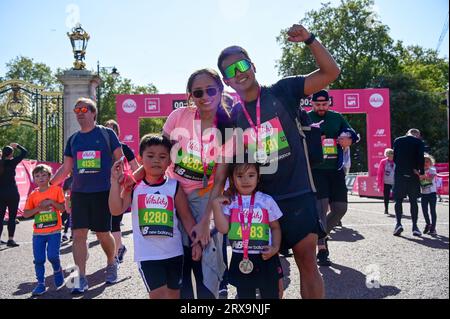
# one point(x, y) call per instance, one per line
point(368, 261)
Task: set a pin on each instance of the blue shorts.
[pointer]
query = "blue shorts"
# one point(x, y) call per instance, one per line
point(297, 224)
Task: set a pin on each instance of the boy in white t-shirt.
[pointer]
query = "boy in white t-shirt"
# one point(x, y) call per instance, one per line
point(157, 202)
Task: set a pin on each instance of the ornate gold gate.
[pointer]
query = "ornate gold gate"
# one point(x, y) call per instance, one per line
point(22, 103)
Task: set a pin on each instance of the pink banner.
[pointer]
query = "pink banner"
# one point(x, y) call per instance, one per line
point(375, 104)
point(372, 102)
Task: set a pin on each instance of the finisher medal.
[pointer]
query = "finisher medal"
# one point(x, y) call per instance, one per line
point(246, 266)
point(260, 156)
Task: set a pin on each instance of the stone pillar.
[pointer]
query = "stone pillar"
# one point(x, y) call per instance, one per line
point(77, 83)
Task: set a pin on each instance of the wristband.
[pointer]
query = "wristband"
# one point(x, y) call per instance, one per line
point(311, 39)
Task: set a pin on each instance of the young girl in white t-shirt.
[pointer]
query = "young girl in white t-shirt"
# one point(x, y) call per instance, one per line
point(428, 198)
point(250, 218)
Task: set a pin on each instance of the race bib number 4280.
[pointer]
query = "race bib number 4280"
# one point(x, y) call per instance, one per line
point(155, 215)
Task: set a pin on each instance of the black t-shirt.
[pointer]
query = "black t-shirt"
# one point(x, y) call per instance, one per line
point(279, 106)
point(8, 176)
point(408, 155)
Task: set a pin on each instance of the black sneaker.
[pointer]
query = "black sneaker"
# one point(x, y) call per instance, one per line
point(12, 243)
point(427, 229)
point(386, 212)
point(398, 230)
point(322, 258)
point(416, 232)
point(432, 231)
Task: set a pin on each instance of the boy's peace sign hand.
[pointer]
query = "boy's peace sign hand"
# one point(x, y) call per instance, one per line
point(298, 33)
point(117, 171)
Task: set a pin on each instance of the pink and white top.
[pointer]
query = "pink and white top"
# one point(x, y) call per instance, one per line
point(192, 157)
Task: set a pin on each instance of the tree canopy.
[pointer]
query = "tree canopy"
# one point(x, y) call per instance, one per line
point(370, 58)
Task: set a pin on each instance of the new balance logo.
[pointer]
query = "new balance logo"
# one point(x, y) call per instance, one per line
point(380, 132)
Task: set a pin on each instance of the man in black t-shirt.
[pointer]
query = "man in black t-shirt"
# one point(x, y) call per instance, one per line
point(291, 185)
point(409, 163)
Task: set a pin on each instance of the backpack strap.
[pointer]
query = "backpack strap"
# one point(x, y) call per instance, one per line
point(105, 134)
point(301, 130)
point(107, 138)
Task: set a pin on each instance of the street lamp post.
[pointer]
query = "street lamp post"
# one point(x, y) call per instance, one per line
point(114, 75)
point(79, 39)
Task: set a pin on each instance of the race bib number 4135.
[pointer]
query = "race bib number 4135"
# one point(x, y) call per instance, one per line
point(90, 160)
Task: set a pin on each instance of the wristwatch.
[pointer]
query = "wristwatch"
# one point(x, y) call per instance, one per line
point(311, 39)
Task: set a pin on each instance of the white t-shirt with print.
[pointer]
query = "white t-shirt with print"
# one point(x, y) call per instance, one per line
point(263, 202)
point(429, 187)
point(158, 199)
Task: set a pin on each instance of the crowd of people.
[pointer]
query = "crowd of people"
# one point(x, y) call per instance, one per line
point(195, 187)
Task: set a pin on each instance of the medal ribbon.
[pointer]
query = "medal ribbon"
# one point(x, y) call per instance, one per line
point(245, 228)
point(258, 116)
point(211, 137)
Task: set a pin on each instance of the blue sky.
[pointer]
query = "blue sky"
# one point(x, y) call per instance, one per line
point(163, 42)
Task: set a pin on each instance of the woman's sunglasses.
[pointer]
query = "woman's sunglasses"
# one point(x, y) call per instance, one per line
point(199, 93)
point(242, 66)
point(83, 109)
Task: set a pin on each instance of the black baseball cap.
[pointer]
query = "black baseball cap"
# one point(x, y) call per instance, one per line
point(323, 94)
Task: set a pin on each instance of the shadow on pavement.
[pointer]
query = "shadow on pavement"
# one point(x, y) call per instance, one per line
point(437, 242)
point(346, 283)
point(96, 283)
point(286, 265)
point(66, 247)
point(345, 234)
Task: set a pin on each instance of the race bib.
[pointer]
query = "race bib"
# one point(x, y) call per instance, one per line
point(89, 161)
point(189, 163)
point(425, 182)
point(45, 220)
point(272, 139)
point(259, 231)
point(329, 147)
point(155, 215)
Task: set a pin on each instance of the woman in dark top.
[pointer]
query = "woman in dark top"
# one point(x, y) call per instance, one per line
point(9, 193)
point(116, 220)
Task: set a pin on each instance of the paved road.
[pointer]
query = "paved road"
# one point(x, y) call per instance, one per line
point(363, 249)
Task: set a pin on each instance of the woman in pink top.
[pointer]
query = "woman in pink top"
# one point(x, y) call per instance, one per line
point(385, 176)
point(199, 133)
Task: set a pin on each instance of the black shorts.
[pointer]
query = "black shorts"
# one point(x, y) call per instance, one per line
point(91, 210)
point(157, 273)
point(264, 275)
point(298, 224)
point(406, 186)
point(330, 184)
point(115, 223)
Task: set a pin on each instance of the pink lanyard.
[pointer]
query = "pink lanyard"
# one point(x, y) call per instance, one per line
point(211, 137)
point(245, 229)
point(258, 115)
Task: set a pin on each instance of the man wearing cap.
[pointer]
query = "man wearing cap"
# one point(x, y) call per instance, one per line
point(329, 176)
